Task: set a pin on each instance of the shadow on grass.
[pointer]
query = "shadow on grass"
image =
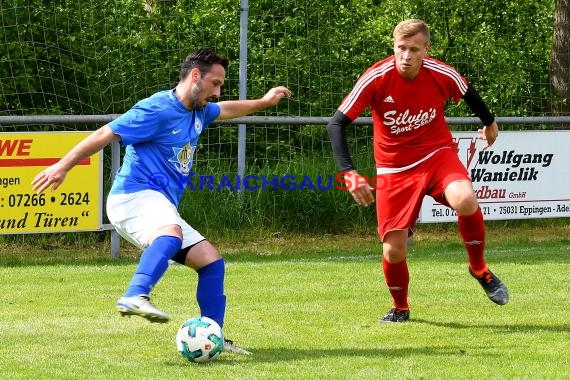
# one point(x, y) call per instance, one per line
point(277, 354)
point(513, 328)
point(62, 257)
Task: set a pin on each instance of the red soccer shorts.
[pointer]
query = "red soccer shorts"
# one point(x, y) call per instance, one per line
point(399, 196)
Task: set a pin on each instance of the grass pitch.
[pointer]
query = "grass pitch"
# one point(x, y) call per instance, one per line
point(306, 307)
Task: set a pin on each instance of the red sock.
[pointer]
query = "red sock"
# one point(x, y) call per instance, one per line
point(397, 279)
point(472, 230)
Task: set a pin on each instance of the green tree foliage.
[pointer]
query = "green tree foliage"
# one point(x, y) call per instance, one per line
point(92, 56)
point(100, 57)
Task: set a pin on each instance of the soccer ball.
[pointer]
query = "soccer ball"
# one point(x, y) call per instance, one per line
point(200, 340)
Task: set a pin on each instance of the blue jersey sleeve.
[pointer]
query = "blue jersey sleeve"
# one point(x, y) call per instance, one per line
point(139, 124)
point(211, 112)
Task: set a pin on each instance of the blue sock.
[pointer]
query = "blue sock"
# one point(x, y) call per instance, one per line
point(210, 291)
point(152, 264)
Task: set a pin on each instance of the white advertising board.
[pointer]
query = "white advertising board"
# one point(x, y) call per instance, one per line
point(524, 175)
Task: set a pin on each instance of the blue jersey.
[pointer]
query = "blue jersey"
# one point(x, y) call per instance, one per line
point(160, 136)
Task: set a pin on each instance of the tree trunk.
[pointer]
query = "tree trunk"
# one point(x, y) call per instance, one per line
point(560, 59)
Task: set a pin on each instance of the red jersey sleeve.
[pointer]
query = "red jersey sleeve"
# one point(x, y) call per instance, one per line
point(363, 92)
point(453, 82)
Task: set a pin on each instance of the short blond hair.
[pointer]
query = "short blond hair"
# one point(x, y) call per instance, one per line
point(411, 27)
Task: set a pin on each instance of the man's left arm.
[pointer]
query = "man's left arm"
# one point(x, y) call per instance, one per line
point(490, 130)
point(230, 109)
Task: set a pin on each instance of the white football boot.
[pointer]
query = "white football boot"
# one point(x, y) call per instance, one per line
point(141, 306)
point(230, 346)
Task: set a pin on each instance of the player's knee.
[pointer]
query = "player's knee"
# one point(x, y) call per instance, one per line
point(395, 250)
point(202, 254)
point(466, 205)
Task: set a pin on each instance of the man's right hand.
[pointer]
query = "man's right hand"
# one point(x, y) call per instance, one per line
point(52, 176)
point(359, 188)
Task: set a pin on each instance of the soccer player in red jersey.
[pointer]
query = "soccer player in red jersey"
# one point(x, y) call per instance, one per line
point(415, 156)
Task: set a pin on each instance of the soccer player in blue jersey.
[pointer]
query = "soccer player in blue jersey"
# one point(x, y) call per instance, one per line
point(160, 134)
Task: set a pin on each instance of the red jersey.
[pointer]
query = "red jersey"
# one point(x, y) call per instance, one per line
point(408, 115)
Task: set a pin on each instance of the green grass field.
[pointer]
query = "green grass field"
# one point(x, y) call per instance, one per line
point(307, 308)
